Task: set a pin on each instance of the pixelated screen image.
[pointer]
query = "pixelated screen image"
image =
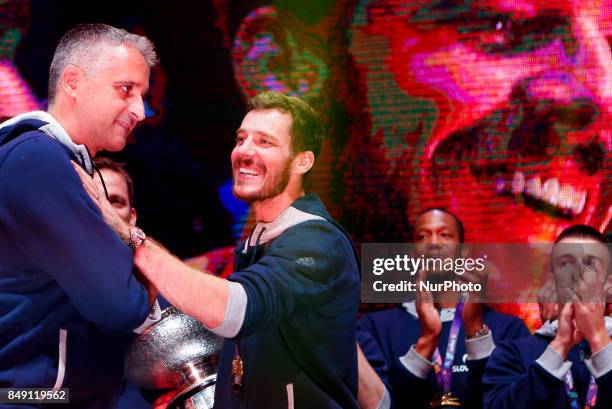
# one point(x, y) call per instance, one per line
point(497, 110)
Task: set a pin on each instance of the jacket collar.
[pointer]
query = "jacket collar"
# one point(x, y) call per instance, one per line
point(291, 216)
point(53, 129)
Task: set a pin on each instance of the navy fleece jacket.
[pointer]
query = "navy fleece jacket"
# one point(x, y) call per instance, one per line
point(513, 378)
point(66, 283)
point(389, 336)
point(301, 276)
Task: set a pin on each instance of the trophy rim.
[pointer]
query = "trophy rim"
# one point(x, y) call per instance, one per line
point(156, 358)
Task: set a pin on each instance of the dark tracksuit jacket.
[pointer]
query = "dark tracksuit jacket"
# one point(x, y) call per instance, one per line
point(513, 378)
point(386, 336)
point(67, 293)
point(301, 276)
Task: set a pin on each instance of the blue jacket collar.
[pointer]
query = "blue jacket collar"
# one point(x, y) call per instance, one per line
point(52, 128)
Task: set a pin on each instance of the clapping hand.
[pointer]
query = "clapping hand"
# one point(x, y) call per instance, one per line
point(429, 320)
point(547, 301)
point(590, 308)
point(472, 310)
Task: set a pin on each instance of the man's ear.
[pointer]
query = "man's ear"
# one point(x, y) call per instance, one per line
point(303, 162)
point(133, 217)
point(274, 51)
point(70, 80)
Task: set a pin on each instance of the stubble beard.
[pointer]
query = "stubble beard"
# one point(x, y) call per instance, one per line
point(273, 185)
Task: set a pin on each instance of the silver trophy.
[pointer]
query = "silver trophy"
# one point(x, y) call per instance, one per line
point(177, 352)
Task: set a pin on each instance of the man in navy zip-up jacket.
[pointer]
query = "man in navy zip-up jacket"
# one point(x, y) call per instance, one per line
point(290, 309)
point(532, 372)
point(400, 343)
point(67, 293)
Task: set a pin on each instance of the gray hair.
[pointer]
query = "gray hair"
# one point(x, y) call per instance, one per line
point(83, 45)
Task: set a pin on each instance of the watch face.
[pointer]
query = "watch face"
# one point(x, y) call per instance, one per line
point(137, 237)
point(138, 233)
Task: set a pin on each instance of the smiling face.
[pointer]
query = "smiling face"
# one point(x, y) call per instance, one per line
point(261, 159)
point(505, 109)
point(109, 102)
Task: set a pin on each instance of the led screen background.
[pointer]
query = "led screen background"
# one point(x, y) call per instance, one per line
point(497, 110)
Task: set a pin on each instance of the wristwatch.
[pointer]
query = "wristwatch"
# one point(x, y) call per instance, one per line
point(137, 237)
point(484, 330)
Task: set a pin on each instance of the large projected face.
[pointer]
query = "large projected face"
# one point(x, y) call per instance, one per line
point(500, 111)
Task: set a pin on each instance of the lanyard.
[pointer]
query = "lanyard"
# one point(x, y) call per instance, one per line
point(570, 389)
point(443, 372)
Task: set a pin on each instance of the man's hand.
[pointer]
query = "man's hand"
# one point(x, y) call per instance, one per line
point(114, 221)
point(567, 334)
point(547, 301)
point(108, 211)
point(590, 308)
point(608, 294)
point(163, 401)
point(429, 320)
point(371, 388)
point(472, 310)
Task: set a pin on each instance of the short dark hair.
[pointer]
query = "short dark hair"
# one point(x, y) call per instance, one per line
point(458, 223)
point(103, 162)
point(307, 130)
point(81, 46)
point(583, 231)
